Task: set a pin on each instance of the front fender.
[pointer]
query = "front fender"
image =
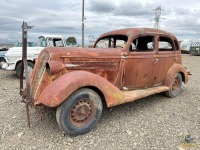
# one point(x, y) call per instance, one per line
point(56, 92)
point(176, 68)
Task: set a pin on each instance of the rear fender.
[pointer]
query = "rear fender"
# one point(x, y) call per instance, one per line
point(176, 68)
point(56, 92)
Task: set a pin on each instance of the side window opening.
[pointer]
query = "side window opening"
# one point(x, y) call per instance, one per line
point(58, 42)
point(53, 42)
point(165, 44)
point(143, 44)
point(103, 43)
point(115, 41)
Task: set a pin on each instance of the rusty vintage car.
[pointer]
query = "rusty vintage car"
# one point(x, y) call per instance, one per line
point(123, 65)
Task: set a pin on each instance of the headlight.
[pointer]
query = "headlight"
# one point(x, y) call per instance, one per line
point(53, 67)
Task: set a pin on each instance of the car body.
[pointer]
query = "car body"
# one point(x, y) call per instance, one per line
point(123, 65)
point(14, 54)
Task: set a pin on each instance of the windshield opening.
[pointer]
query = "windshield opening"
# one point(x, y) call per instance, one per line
point(17, 44)
point(42, 42)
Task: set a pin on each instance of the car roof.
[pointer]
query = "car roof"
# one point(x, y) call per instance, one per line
point(136, 31)
point(51, 36)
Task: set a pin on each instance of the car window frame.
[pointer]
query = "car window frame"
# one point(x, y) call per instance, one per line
point(111, 41)
point(144, 52)
point(171, 40)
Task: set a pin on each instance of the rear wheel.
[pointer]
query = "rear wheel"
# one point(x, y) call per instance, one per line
point(30, 66)
point(175, 87)
point(80, 112)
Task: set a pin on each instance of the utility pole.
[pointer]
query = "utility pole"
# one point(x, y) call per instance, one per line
point(83, 23)
point(25, 92)
point(157, 17)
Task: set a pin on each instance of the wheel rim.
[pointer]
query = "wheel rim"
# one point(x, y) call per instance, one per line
point(82, 112)
point(176, 84)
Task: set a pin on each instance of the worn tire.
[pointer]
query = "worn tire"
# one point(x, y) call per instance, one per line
point(80, 112)
point(19, 66)
point(175, 87)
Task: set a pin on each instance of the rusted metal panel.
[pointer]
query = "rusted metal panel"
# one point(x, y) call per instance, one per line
point(172, 72)
point(104, 67)
point(165, 61)
point(70, 82)
point(130, 96)
point(139, 73)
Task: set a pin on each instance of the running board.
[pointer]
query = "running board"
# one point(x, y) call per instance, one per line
point(133, 95)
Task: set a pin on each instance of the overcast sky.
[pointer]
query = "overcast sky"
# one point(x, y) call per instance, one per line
point(181, 17)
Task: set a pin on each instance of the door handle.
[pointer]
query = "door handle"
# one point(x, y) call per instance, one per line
point(156, 60)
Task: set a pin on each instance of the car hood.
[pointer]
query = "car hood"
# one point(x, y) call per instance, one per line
point(18, 50)
point(84, 52)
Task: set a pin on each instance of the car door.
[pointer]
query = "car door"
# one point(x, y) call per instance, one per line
point(139, 64)
point(167, 54)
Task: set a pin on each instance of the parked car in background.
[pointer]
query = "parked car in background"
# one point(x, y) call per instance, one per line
point(2, 58)
point(3, 50)
point(14, 54)
point(78, 81)
point(195, 48)
point(185, 46)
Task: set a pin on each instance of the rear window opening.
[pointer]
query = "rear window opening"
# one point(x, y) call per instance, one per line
point(165, 44)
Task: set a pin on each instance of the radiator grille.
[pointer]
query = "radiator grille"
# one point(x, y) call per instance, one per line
point(40, 68)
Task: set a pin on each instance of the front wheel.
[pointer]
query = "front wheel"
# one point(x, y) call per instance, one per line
point(175, 87)
point(80, 112)
point(30, 66)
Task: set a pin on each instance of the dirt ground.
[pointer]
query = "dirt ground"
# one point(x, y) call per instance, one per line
point(154, 122)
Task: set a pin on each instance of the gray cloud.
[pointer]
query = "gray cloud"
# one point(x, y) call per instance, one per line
point(64, 17)
point(123, 8)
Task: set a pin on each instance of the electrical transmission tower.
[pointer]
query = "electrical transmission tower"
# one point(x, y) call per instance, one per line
point(157, 17)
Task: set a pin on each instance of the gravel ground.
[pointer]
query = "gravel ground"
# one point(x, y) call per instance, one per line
point(155, 122)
